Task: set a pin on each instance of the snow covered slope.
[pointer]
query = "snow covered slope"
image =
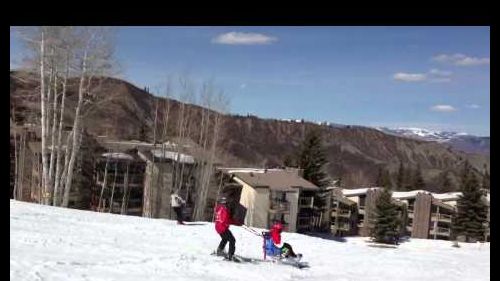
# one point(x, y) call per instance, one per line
point(48, 243)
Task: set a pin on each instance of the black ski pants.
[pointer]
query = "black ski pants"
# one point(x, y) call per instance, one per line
point(227, 236)
point(178, 213)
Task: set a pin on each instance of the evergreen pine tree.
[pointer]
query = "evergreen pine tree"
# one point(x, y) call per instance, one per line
point(386, 219)
point(418, 180)
point(471, 208)
point(289, 161)
point(408, 179)
point(379, 180)
point(383, 179)
point(444, 182)
point(312, 159)
point(486, 179)
point(400, 177)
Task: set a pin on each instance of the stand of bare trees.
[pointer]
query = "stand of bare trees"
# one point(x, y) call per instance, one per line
point(58, 54)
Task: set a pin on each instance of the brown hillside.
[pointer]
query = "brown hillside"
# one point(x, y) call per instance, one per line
point(123, 111)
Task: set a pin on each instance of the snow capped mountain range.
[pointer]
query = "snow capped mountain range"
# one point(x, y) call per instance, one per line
point(425, 134)
point(461, 141)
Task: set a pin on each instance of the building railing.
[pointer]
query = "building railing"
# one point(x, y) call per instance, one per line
point(441, 217)
point(441, 231)
point(304, 222)
point(344, 213)
point(280, 206)
point(306, 202)
point(343, 227)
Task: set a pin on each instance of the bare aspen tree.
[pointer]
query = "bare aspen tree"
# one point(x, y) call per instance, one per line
point(219, 104)
point(60, 53)
point(123, 210)
point(103, 187)
point(43, 101)
point(113, 189)
point(57, 176)
point(93, 58)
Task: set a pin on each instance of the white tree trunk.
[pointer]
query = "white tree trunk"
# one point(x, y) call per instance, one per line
point(57, 176)
point(123, 210)
point(113, 190)
point(53, 140)
point(43, 122)
point(104, 182)
point(76, 128)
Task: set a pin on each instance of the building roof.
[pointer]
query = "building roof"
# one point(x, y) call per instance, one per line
point(344, 200)
point(449, 196)
point(275, 179)
point(180, 157)
point(118, 155)
point(408, 194)
point(357, 191)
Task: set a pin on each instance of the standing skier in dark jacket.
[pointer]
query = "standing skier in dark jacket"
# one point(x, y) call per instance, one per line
point(177, 202)
point(222, 221)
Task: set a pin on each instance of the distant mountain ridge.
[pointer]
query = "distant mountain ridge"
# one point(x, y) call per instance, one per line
point(354, 153)
point(459, 141)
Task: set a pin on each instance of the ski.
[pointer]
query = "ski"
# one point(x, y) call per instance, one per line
point(295, 262)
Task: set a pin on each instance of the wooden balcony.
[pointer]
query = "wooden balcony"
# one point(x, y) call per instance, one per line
point(279, 207)
point(342, 227)
point(306, 202)
point(441, 217)
point(440, 231)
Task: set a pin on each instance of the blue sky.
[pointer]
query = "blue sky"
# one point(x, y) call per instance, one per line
point(428, 77)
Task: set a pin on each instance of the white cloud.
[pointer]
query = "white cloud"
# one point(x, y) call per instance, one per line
point(443, 108)
point(433, 75)
point(242, 38)
point(442, 73)
point(473, 106)
point(461, 60)
point(243, 86)
point(410, 77)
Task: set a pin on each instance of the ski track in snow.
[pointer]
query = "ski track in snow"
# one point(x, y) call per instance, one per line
point(48, 243)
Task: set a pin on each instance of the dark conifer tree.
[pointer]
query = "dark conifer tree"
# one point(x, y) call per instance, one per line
point(471, 208)
point(386, 219)
point(486, 179)
point(418, 180)
point(400, 180)
point(312, 159)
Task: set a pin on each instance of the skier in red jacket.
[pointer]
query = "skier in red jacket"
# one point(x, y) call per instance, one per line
point(222, 221)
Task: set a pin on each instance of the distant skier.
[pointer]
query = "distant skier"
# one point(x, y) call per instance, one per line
point(177, 203)
point(222, 221)
point(274, 245)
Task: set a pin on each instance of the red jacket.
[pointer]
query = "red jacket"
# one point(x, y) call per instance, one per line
point(275, 236)
point(222, 218)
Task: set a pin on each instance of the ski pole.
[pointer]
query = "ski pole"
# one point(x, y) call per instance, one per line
point(253, 231)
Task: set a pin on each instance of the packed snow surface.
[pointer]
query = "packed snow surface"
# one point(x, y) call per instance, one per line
point(50, 243)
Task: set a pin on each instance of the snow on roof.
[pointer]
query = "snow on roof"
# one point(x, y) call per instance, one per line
point(449, 196)
point(118, 155)
point(180, 157)
point(356, 191)
point(408, 194)
point(251, 170)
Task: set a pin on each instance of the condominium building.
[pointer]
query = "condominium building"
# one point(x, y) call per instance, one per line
point(271, 195)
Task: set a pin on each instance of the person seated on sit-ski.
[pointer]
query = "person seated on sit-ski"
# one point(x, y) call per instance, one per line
point(273, 245)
